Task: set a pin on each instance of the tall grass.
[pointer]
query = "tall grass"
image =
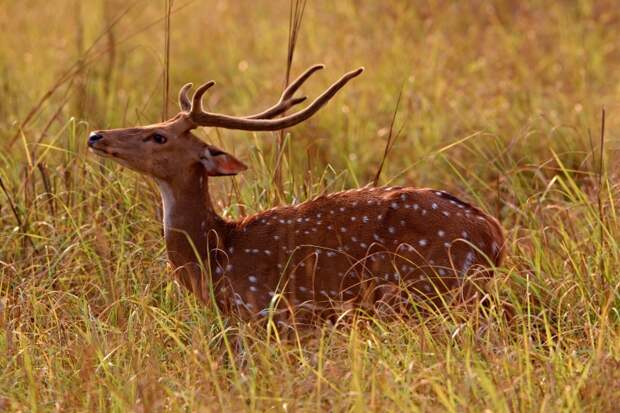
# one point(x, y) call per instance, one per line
point(501, 105)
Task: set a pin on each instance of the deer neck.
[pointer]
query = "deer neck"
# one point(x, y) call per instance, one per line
point(191, 226)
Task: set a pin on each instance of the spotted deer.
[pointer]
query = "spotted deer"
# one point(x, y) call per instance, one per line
point(359, 247)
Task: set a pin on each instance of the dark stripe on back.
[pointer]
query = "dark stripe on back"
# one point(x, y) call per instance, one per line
point(450, 197)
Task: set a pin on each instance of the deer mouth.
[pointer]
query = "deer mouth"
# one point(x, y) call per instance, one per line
point(104, 153)
point(100, 152)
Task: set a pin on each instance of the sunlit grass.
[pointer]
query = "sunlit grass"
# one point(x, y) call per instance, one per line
point(501, 105)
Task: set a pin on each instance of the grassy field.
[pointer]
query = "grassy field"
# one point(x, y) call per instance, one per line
point(501, 105)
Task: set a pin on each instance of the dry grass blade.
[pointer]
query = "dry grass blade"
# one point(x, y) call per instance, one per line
point(391, 138)
point(599, 196)
point(296, 14)
point(11, 204)
point(166, 85)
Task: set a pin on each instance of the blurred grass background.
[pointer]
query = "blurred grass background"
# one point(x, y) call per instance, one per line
point(501, 105)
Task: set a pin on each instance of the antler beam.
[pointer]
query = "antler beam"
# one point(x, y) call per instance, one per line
point(262, 121)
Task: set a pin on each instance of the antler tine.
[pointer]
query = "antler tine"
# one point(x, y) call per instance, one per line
point(286, 101)
point(201, 118)
point(196, 108)
point(184, 101)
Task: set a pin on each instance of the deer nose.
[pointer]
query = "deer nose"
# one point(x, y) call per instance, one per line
point(94, 137)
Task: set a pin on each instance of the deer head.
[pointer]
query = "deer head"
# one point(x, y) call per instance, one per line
point(164, 150)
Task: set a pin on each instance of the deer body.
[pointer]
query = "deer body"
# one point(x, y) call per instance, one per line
point(351, 246)
point(361, 247)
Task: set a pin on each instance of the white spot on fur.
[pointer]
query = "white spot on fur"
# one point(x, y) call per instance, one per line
point(252, 279)
point(468, 262)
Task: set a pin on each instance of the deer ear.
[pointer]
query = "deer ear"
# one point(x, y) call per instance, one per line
point(220, 163)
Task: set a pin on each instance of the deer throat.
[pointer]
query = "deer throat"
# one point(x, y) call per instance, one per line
point(188, 220)
point(168, 201)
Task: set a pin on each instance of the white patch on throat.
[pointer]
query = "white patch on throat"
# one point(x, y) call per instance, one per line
point(167, 198)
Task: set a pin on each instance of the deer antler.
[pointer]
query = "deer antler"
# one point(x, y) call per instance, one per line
point(262, 121)
point(285, 103)
point(286, 99)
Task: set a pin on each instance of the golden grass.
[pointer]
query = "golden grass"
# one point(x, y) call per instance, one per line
point(501, 104)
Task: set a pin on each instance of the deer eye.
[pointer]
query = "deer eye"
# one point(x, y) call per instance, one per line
point(215, 152)
point(161, 139)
